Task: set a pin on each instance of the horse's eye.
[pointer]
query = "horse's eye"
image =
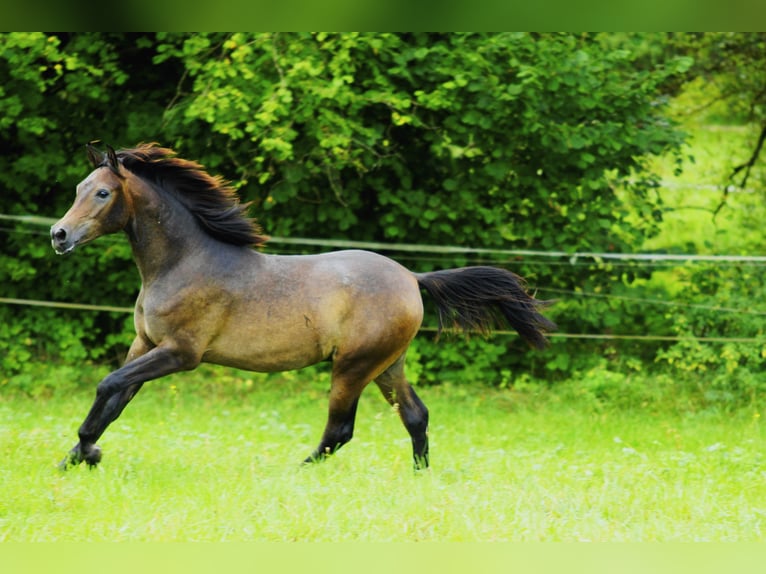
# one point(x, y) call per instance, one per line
point(102, 193)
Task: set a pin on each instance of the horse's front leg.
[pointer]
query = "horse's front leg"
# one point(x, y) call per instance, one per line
point(86, 450)
point(114, 393)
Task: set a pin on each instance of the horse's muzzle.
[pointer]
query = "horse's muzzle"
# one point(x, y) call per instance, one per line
point(61, 240)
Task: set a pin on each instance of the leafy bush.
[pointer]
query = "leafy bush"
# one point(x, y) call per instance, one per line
point(721, 299)
point(517, 140)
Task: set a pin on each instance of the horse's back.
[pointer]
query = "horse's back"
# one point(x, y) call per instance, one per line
point(364, 271)
point(363, 287)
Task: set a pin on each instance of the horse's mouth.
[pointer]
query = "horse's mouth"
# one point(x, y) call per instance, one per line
point(63, 249)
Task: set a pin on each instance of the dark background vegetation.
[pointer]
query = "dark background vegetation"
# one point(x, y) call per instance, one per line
point(515, 141)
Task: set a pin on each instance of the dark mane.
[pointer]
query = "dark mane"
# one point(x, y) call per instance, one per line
point(212, 201)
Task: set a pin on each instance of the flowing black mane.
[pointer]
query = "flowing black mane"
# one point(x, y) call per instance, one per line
point(212, 201)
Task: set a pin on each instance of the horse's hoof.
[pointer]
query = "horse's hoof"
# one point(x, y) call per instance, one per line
point(421, 463)
point(93, 456)
point(75, 456)
point(315, 457)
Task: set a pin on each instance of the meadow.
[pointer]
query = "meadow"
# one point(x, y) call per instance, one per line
point(215, 455)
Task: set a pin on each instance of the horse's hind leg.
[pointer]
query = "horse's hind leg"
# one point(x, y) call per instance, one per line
point(347, 386)
point(414, 414)
point(340, 424)
point(352, 372)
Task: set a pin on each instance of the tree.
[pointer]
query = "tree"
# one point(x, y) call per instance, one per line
point(58, 92)
point(534, 141)
point(398, 137)
point(537, 141)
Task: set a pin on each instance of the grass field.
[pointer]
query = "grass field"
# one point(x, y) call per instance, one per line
point(187, 464)
point(210, 456)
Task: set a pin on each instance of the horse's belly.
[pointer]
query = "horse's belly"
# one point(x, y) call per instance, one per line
point(268, 352)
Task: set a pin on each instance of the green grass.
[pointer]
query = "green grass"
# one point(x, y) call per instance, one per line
point(187, 464)
point(215, 455)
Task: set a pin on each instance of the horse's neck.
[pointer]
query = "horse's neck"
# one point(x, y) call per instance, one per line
point(162, 233)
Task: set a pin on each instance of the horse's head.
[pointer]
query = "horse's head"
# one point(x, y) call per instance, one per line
point(102, 205)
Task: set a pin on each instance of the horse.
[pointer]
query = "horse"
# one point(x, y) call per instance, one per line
point(209, 295)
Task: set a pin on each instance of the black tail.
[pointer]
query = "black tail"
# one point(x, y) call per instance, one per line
point(485, 298)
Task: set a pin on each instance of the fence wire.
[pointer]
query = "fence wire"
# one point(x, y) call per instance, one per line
point(534, 257)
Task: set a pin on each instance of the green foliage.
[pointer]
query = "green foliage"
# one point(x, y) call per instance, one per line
point(475, 139)
point(493, 140)
point(513, 140)
point(732, 64)
point(721, 299)
point(58, 92)
point(456, 359)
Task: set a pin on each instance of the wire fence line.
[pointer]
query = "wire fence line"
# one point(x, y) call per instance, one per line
point(572, 258)
point(640, 300)
point(555, 335)
point(64, 305)
point(662, 302)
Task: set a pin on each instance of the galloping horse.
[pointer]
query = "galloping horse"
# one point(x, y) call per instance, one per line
point(208, 296)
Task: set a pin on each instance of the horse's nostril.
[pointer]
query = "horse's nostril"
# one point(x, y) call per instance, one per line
point(59, 234)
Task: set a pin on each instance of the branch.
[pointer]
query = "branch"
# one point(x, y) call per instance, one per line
point(751, 162)
point(747, 166)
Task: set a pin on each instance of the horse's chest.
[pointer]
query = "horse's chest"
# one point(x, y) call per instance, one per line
point(184, 314)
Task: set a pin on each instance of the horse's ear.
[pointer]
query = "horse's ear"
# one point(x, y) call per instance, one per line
point(112, 160)
point(95, 157)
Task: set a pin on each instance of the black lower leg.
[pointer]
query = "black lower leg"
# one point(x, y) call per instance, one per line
point(339, 430)
point(414, 415)
point(102, 413)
